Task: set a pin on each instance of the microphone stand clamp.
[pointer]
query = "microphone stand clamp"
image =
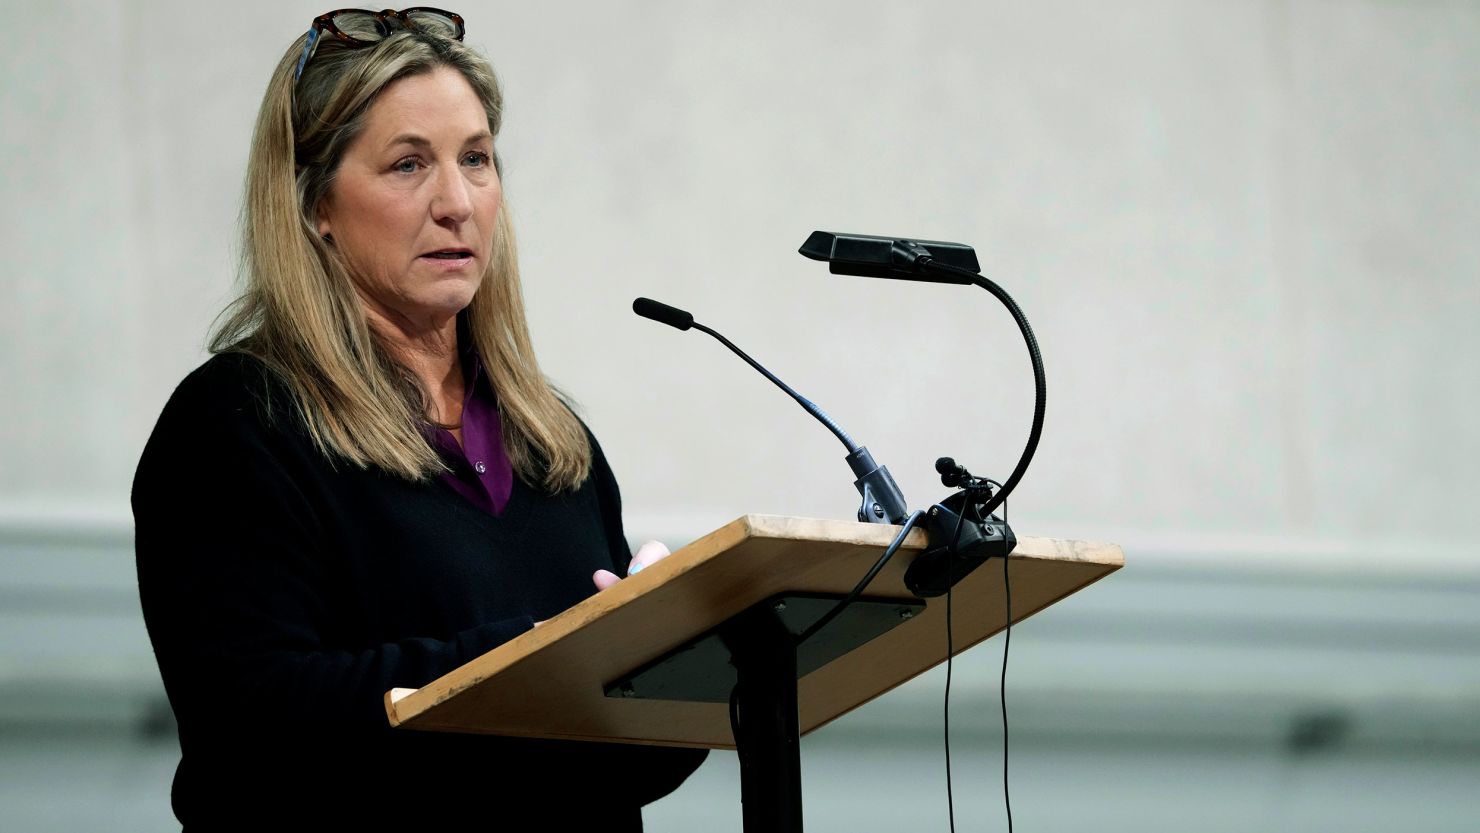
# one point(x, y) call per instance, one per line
point(883, 502)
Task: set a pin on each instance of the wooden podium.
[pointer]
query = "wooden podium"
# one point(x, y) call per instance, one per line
point(652, 659)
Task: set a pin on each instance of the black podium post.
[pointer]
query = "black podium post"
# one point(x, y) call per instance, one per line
point(764, 715)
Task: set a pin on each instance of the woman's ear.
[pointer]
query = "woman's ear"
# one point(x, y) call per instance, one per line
point(322, 213)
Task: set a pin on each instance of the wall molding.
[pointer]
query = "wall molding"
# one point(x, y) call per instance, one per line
point(1310, 555)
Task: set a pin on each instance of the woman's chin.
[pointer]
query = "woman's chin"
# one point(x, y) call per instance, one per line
point(448, 307)
point(449, 297)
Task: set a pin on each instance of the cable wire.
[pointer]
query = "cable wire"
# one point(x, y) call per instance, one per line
point(950, 650)
point(740, 749)
point(868, 577)
point(981, 483)
point(950, 658)
point(1006, 645)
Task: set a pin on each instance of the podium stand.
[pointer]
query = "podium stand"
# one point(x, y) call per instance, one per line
point(649, 660)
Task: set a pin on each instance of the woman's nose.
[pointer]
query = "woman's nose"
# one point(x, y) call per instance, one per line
point(452, 201)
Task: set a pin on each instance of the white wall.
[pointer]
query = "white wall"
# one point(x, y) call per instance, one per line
point(1239, 229)
point(1244, 233)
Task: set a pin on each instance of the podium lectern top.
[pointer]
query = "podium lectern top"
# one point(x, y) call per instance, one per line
point(552, 682)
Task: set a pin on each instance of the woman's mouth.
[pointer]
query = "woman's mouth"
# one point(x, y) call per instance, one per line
point(449, 260)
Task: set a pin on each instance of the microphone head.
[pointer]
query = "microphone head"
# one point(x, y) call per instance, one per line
point(950, 473)
point(662, 313)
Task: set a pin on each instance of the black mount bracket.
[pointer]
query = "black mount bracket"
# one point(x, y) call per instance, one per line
point(883, 502)
point(960, 541)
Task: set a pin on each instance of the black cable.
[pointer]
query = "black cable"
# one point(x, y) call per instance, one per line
point(978, 484)
point(950, 655)
point(735, 715)
point(1039, 385)
point(735, 735)
point(1006, 644)
point(868, 577)
point(950, 650)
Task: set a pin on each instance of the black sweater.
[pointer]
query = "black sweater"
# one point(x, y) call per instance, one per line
point(285, 594)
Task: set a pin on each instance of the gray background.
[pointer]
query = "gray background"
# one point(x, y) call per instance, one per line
point(1238, 228)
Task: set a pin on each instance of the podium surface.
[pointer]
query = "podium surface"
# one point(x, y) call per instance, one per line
point(552, 682)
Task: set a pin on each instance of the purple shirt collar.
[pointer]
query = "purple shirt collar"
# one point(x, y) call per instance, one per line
point(480, 468)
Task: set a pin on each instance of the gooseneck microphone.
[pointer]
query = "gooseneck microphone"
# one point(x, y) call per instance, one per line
point(882, 500)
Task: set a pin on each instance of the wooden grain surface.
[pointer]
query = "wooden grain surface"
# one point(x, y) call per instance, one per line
point(550, 682)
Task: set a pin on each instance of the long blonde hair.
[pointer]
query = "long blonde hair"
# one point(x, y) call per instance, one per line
point(299, 314)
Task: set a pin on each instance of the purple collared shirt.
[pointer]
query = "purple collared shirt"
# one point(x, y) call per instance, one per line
point(481, 471)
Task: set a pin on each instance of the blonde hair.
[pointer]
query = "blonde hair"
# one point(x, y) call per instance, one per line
point(299, 314)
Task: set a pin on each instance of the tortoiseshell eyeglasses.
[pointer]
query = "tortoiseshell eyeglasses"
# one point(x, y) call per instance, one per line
point(361, 27)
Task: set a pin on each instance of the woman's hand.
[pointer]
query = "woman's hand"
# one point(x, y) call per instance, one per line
point(646, 554)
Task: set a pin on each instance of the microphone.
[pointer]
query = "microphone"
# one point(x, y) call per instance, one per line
point(891, 257)
point(882, 500)
point(662, 313)
point(951, 473)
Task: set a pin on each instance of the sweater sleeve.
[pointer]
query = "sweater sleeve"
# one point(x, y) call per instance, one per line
point(610, 499)
point(235, 579)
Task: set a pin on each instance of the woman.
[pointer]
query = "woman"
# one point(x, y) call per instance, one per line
point(371, 483)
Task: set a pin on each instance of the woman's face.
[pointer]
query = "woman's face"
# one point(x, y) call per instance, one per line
point(413, 205)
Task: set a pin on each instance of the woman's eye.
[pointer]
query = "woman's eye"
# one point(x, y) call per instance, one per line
point(405, 166)
point(477, 159)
